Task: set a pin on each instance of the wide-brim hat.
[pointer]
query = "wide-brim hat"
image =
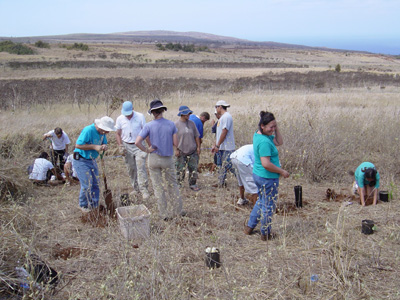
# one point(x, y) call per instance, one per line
point(184, 110)
point(105, 123)
point(222, 103)
point(156, 104)
point(127, 108)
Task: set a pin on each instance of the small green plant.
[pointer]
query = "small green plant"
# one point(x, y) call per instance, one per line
point(392, 189)
point(338, 68)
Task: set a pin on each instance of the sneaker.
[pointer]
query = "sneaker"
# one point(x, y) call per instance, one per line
point(146, 195)
point(85, 210)
point(194, 188)
point(133, 194)
point(242, 201)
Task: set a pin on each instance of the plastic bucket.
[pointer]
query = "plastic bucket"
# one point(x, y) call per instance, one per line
point(134, 221)
point(298, 194)
point(367, 226)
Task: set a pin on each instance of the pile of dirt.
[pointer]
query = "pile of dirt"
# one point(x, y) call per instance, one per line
point(97, 217)
point(67, 252)
point(205, 167)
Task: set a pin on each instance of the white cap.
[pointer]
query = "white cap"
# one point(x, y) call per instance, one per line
point(222, 103)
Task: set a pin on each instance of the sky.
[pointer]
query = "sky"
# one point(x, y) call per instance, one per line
point(366, 25)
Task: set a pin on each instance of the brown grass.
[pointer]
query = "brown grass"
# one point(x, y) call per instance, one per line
point(326, 135)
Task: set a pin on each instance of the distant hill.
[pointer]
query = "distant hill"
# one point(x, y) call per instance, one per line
point(159, 36)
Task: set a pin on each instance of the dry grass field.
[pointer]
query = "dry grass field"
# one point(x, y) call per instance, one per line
point(330, 121)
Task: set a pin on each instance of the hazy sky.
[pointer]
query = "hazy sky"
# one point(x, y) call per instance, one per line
point(371, 25)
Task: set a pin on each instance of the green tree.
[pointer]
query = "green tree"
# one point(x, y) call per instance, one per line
point(338, 68)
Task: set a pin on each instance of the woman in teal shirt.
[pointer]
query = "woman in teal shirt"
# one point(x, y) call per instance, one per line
point(266, 172)
point(367, 180)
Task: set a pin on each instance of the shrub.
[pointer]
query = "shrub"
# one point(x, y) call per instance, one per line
point(160, 47)
point(41, 44)
point(15, 48)
point(338, 68)
point(75, 46)
point(186, 48)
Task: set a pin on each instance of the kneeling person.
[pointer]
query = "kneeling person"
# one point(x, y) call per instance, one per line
point(43, 169)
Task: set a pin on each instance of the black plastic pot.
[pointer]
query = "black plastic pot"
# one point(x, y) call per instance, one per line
point(298, 194)
point(384, 196)
point(213, 259)
point(367, 226)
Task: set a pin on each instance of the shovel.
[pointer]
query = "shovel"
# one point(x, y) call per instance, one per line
point(107, 193)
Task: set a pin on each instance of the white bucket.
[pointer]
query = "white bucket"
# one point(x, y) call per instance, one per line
point(134, 221)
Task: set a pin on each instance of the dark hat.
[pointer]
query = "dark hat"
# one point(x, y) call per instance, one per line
point(184, 110)
point(156, 104)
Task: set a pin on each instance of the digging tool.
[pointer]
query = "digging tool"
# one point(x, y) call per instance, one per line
point(53, 156)
point(107, 193)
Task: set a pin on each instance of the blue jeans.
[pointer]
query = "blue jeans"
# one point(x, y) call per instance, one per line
point(88, 174)
point(226, 165)
point(266, 203)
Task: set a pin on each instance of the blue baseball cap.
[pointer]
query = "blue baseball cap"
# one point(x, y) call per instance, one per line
point(127, 108)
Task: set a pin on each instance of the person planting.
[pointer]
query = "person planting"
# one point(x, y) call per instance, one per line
point(367, 182)
point(91, 141)
point(43, 169)
point(266, 172)
point(59, 144)
point(243, 161)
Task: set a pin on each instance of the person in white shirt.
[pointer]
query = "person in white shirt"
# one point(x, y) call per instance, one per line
point(243, 161)
point(42, 169)
point(225, 141)
point(59, 144)
point(128, 126)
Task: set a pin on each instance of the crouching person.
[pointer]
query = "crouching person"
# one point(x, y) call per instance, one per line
point(243, 161)
point(42, 170)
point(91, 141)
point(367, 182)
point(69, 170)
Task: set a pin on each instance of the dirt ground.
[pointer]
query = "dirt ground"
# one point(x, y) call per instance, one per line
point(321, 240)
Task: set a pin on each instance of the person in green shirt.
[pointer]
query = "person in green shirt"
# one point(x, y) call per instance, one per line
point(367, 182)
point(266, 172)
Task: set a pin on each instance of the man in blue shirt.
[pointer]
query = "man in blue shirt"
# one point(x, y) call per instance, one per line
point(199, 121)
point(91, 141)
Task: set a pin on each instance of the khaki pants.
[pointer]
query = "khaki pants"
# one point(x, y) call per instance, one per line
point(163, 176)
point(135, 160)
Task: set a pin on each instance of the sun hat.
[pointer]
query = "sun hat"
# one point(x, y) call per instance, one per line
point(127, 108)
point(156, 104)
point(184, 110)
point(222, 103)
point(105, 123)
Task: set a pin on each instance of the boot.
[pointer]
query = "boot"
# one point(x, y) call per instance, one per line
point(265, 237)
point(247, 230)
